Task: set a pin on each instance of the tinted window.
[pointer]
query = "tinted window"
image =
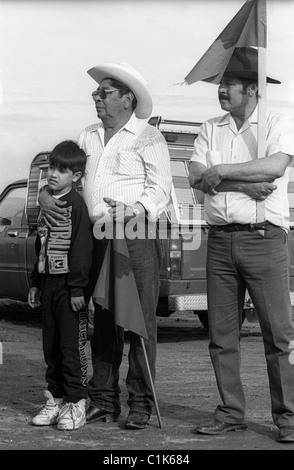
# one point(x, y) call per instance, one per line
point(13, 204)
point(184, 193)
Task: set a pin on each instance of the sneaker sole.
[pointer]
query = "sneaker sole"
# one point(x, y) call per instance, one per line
point(67, 428)
point(52, 423)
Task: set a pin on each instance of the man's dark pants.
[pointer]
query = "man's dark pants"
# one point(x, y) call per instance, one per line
point(259, 262)
point(107, 342)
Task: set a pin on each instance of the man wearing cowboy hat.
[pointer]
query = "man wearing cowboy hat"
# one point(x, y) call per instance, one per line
point(246, 252)
point(127, 175)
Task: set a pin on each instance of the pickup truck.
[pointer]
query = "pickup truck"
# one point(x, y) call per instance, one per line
point(182, 228)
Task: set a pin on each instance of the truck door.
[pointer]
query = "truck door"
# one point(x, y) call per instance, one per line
point(12, 205)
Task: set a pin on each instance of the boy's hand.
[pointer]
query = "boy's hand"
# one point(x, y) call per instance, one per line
point(77, 303)
point(34, 297)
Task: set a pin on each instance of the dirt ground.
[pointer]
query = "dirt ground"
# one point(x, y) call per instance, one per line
point(185, 390)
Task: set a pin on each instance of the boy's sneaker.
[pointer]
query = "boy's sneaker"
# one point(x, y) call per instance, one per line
point(50, 411)
point(72, 416)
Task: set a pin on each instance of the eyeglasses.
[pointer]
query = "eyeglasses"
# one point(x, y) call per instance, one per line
point(102, 93)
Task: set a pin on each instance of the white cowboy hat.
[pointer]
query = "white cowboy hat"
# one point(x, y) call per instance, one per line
point(126, 74)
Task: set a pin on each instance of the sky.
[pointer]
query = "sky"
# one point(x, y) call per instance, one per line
point(47, 46)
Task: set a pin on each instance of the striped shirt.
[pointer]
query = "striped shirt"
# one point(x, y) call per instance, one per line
point(134, 166)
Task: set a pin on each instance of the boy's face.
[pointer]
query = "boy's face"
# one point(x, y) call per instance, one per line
point(60, 180)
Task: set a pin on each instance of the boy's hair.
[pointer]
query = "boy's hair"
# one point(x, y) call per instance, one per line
point(68, 155)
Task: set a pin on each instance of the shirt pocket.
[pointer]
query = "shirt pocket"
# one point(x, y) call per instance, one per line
point(128, 163)
point(213, 157)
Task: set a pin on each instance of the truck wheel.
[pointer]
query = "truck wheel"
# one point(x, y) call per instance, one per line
point(162, 308)
point(203, 317)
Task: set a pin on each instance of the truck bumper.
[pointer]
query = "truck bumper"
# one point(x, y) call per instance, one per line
point(199, 302)
point(187, 302)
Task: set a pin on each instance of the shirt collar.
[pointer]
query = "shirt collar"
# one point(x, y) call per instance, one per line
point(225, 120)
point(253, 118)
point(131, 126)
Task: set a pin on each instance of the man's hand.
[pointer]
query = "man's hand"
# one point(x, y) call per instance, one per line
point(259, 191)
point(121, 212)
point(77, 303)
point(53, 209)
point(210, 180)
point(195, 174)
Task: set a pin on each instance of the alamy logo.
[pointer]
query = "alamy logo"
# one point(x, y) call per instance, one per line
point(188, 229)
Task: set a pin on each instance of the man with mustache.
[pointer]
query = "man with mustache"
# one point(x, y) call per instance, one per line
point(246, 251)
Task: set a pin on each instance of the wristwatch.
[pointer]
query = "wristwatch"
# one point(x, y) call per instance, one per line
point(132, 211)
point(136, 211)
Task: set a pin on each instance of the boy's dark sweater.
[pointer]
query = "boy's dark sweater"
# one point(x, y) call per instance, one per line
point(79, 253)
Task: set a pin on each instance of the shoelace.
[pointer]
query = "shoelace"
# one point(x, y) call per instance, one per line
point(70, 408)
point(47, 408)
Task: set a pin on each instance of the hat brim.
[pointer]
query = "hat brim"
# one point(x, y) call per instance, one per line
point(130, 78)
point(249, 74)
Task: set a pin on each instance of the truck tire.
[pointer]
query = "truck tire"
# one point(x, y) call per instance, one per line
point(162, 308)
point(203, 318)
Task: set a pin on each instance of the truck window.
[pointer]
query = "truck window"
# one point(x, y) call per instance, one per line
point(291, 197)
point(184, 193)
point(183, 190)
point(291, 189)
point(13, 204)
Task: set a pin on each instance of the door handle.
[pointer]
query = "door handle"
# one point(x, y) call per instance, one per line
point(12, 233)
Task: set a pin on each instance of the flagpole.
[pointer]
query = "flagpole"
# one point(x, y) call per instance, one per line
point(261, 127)
point(261, 101)
point(151, 382)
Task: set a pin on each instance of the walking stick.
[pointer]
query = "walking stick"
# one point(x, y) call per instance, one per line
point(151, 381)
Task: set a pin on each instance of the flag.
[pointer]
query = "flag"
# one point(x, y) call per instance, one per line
point(116, 288)
point(246, 29)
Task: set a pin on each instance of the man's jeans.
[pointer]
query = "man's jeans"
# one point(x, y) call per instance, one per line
point(107, 342)
point(236, 261)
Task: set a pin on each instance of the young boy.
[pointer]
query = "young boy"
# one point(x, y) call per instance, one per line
point(59, 278)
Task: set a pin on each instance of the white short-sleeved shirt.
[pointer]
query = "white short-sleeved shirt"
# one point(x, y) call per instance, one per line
point(134, 166)
point(219, 141)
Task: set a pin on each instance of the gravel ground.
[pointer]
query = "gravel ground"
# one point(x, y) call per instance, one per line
point(185, 390)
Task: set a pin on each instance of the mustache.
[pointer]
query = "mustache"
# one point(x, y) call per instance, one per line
point(222, 97)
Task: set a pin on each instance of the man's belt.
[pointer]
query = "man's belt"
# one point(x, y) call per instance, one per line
point(241, 227)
